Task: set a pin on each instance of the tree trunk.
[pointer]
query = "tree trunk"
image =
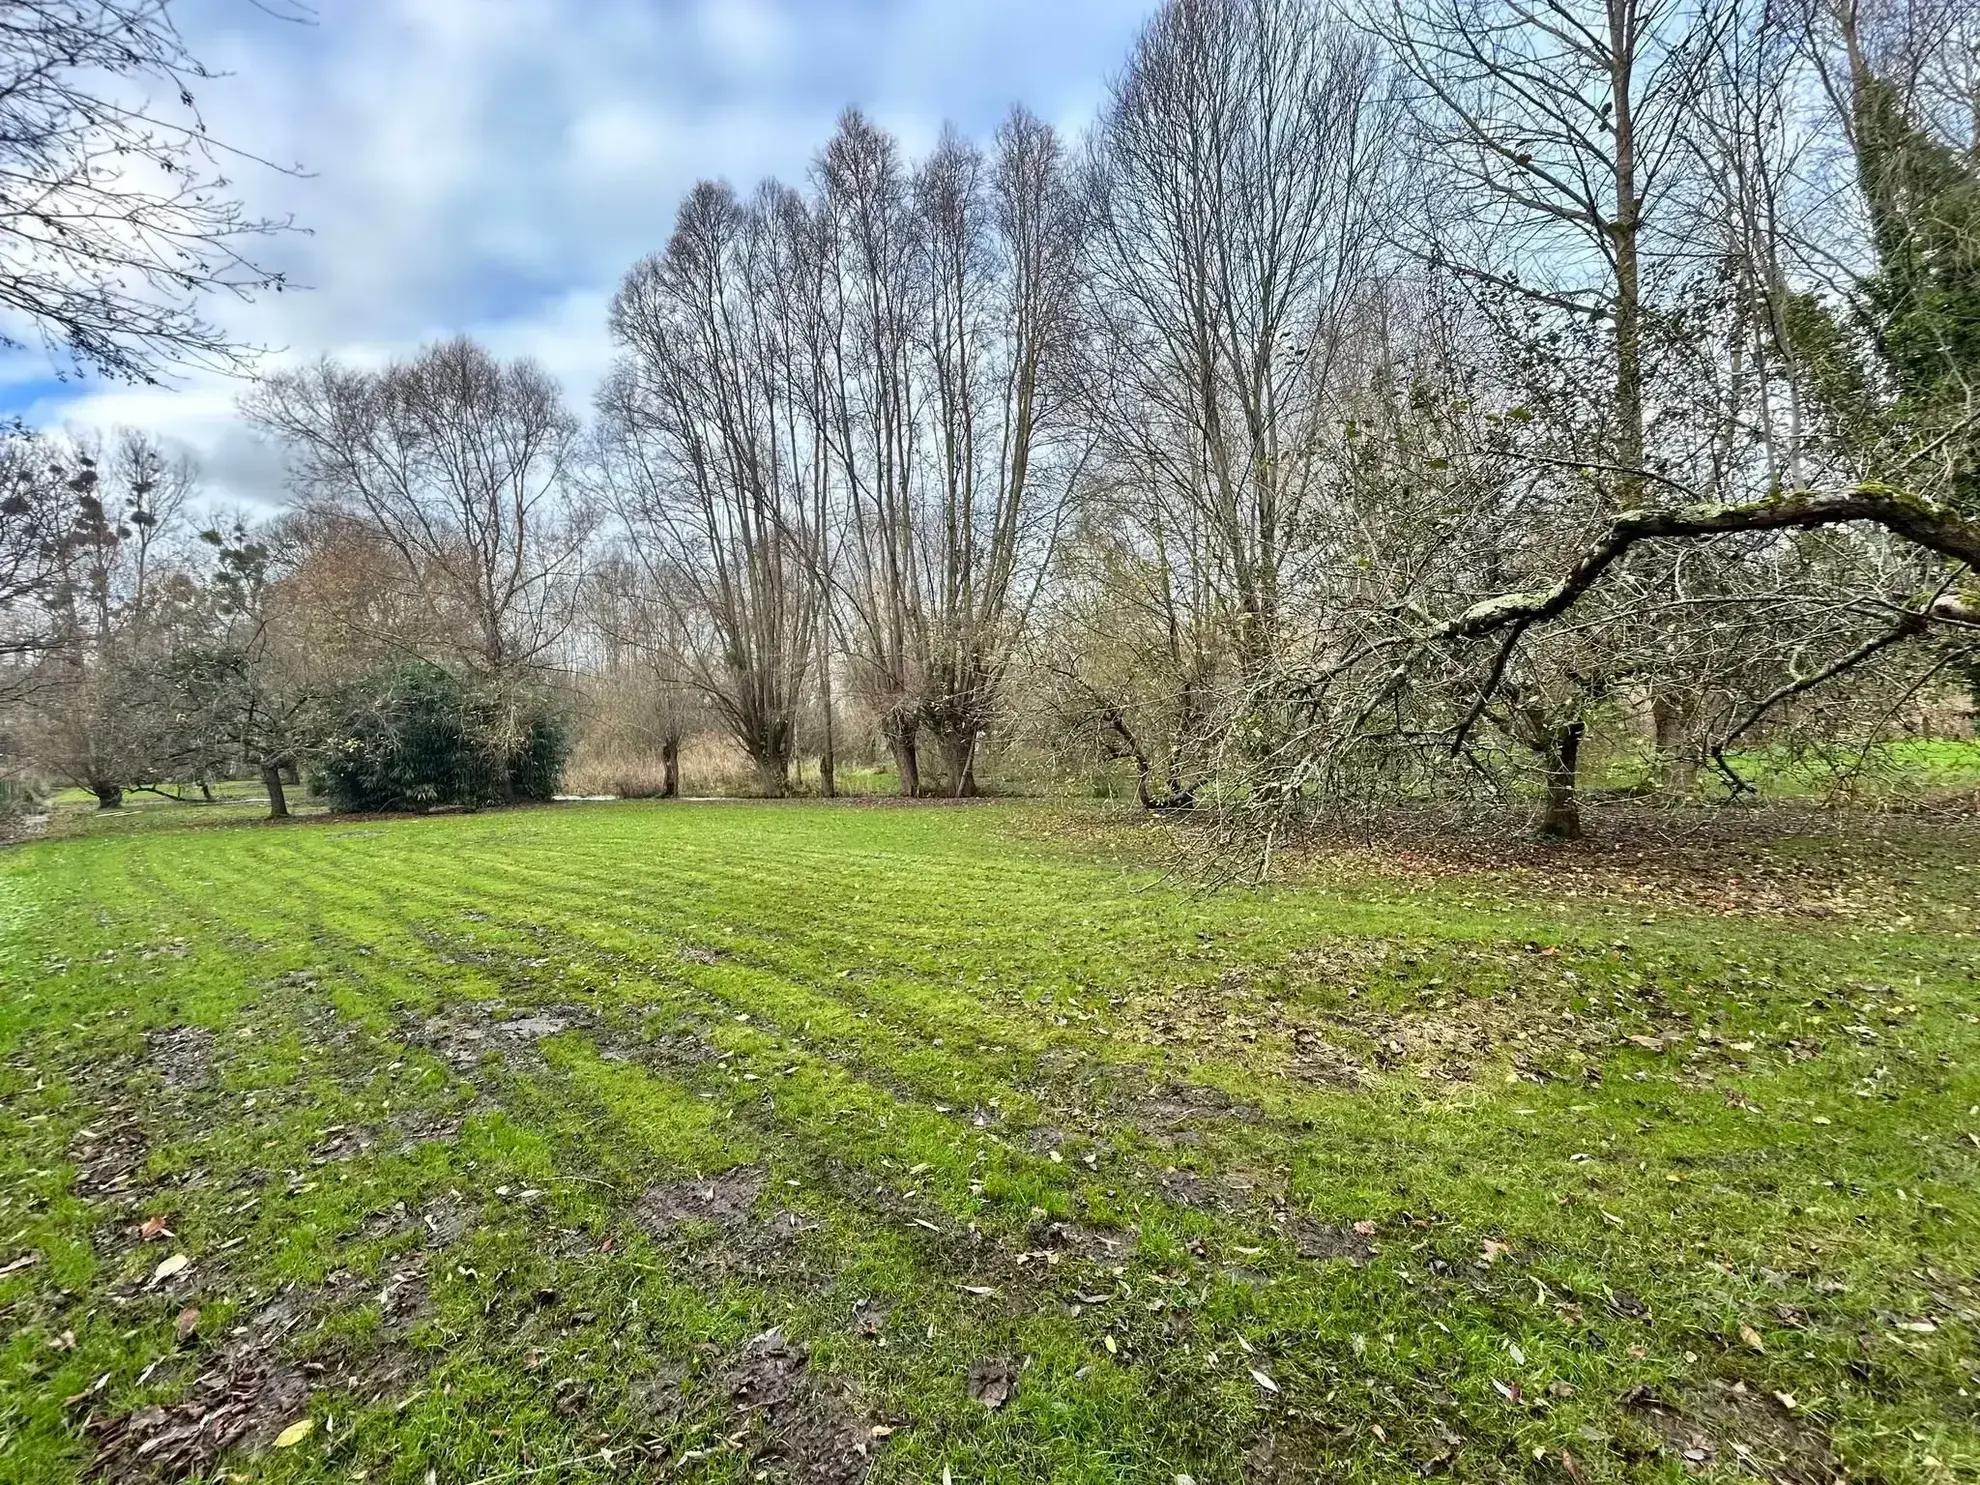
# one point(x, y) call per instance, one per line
point(1677, 761)
point(900, 742)
point(291, 771)
point(278, 800)
point(959, 761)
point(772, 775)
point(828, 766)
point(206, 790)
point(108, 796)
point(670, 768)
point(1560, 811)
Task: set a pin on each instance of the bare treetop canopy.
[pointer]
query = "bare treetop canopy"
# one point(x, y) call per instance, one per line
point(117, 208)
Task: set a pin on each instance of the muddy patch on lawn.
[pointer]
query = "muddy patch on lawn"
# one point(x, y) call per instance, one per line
point(258, 1382)
point(340, 1142)
point(727, 1200)
point(1180, 1113)
point(246, 1406)
point(1336, 1017)
point(676, 1213)
point(416, 1127)
point(792, 1420)
point(1727, 1426)
point(1331, 1242)
point(1235, 1192)
point(464, 1038)
point(1454, 1037)
point(672, 1052)
point(403, 1300)
point(445, 1220)
point(109, 1155)
point(1059, 1242)
point(182, 1056)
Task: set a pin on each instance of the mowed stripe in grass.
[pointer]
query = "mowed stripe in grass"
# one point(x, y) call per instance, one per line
point(790, 1139)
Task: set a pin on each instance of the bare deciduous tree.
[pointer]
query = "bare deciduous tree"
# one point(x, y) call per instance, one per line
point(463, 467)
point(700, 459)
point(116, 216)
point(1237, 186)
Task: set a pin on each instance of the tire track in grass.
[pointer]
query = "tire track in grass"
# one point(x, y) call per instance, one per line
point(938, 1329)
point(928, 1014)
point(479, 896)
point(773, 1006)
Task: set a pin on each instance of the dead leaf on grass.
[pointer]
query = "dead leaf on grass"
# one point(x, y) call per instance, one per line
point(992, 1381)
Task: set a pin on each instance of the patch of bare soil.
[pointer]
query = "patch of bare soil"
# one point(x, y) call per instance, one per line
point(269, 1328)
point(375, 1374)
point(250, 1390)
point(1447, 1035)
point(1329, 1242)
point(869, 1318)
point(1228, 1193)
point(246, 1405)
point(1448, 1041)
point(1727, 1426)
point(673, 1051)
point(728, 1200)
point(1057, 1242)
point(445, 1219)
point(340, 1142)
point(746, 1242)
point(992, 1380)
point(416, 1127)
point(792, 1420)
point(1177, 1113)
point(182, 1056)
point(403, 1299)
point(464, 1037)
point(109, 1154)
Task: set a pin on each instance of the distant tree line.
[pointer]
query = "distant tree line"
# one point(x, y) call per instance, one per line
point(1376, 412)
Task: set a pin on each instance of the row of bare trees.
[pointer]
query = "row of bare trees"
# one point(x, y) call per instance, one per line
point(1422, 330)
point(1377, 412)
point(435, 517)
point(840, 436)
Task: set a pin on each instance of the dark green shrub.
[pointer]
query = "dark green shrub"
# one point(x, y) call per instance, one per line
point(537, 763)
point(417, 736)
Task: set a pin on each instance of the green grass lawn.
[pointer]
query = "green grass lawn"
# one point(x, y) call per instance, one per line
point(818, 1143)
point(1905, 769)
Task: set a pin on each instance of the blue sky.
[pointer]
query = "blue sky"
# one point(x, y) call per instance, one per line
point(494, 166)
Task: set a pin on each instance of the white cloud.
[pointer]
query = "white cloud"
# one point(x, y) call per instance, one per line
point(494, 166)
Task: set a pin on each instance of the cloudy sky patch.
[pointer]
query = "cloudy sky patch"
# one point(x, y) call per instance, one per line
point(494, 166)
